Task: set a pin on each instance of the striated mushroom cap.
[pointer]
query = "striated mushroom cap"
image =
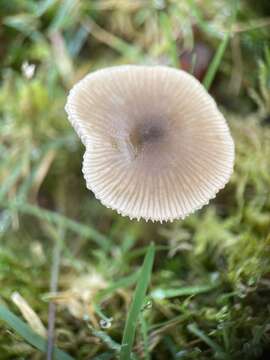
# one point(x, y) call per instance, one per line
point(157, 147)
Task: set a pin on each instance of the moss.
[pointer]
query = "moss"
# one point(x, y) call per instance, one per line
point(211, 270)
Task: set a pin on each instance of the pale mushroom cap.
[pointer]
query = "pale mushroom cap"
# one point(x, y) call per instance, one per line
point(157, 146)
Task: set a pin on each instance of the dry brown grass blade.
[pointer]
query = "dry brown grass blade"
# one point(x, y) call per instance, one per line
point(29, 314)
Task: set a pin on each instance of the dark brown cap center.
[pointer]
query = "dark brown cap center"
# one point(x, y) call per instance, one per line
point(146, 134)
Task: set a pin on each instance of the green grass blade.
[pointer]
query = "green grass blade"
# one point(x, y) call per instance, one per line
point(122, 283)
point(166, 26)
point(11, 179)
point(124, 48)
point(201, 335)
point(43, 7)
point(106, 339)
point(135, 308)
point(105, 356)
point(213, 67)
point(65, 9)
point(28, 334)
point(55, 218)
point(67, 141)
point(144, 331)
point(184, 291)
point(170, 345)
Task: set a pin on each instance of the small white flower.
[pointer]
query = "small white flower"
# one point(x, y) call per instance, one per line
point(28, 69)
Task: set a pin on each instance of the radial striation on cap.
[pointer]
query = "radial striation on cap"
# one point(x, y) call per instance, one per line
point(157, 147)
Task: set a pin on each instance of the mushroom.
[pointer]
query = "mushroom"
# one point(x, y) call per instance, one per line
point(157, 147)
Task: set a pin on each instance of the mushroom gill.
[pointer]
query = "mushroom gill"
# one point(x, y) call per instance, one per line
point(157, 147)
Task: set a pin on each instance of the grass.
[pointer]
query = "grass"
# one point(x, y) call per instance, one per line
point(209, 289)
point(213, 67)
point(137, 304)
point(28, 334)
